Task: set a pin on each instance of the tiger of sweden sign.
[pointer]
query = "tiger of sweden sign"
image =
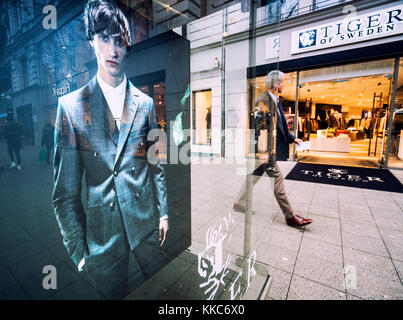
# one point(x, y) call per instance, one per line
point(382, 23)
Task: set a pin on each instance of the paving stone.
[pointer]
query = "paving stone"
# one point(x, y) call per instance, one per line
point(7, 279)
point(364, 243)
point(399, 267)
point(31, 266)
point(149, 290)
point(277, 257)
point(78, 290)
point(290, 240)
point(325, 222)
point(280, 283)
point(389, 221)
point(352, 207)
point(320, 271)
point(326, 251)
point(367, 264)
point(305, 289)
point(365, 229)
point(351, 297)
point(14, 293)
point(354, 217)
point(316, 232)
point(377, 288)
point(330, 212)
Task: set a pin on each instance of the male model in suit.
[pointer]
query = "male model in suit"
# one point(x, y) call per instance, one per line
point(101, 136)
point(267, 102)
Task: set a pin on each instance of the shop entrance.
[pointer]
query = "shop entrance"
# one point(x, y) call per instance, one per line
point(342, 111)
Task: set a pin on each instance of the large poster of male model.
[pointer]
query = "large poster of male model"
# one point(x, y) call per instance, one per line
point(104, 207)
point(101, 136)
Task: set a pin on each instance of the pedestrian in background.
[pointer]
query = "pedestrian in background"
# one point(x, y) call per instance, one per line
point(13, 135)
point(47, 140)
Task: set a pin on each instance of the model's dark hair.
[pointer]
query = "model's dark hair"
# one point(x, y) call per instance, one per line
point(101, 16)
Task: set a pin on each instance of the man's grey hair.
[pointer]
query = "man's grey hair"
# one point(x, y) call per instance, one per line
point(273, 79)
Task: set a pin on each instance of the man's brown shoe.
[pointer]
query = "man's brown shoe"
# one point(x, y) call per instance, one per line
point(297, 221)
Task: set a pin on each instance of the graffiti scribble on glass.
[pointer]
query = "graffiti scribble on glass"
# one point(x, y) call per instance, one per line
point(212, 266)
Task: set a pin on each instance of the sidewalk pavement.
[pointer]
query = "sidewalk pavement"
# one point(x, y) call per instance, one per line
point(357, 235)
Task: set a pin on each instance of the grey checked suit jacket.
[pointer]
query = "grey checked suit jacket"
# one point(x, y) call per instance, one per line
point(124, 191)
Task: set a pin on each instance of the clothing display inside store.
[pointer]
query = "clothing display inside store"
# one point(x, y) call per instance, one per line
point(340, 130)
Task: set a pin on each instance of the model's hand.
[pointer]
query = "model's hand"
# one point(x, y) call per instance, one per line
point(163, 229)
point(298, 141)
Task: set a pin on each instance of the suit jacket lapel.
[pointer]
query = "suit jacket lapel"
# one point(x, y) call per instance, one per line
point(129, 112)
point(278, 112)
point(280, 120)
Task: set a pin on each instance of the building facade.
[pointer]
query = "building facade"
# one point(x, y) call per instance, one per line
point(341, 59)
point(233, 45)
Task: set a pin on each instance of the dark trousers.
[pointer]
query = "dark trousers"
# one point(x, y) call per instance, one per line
point(14, 151)
point(114, 277)
point(49, 149)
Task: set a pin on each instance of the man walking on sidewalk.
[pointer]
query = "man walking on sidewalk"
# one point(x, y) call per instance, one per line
point(48, 133)
point(268, 100)
point(13, 134)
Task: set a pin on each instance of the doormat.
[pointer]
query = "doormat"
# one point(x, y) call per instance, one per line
point(357, 177)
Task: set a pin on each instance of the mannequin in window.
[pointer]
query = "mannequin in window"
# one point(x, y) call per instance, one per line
point(208, 124)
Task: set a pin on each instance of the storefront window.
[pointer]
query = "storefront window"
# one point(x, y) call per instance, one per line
point(218, 245)
point(202, 117)
point(156, 89)
point(396, 138)
point(343, 112)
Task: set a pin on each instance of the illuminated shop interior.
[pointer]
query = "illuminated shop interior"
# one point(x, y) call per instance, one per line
point(344, 112)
